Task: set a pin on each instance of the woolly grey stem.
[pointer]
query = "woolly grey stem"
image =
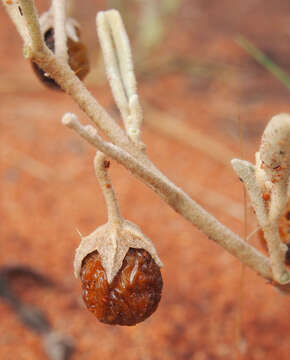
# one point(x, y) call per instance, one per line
point(60, 39)
point(114, 214)
point(15, 12)
point(31, 17)
point(120, 71)
point(246, 172)
point(277, 253)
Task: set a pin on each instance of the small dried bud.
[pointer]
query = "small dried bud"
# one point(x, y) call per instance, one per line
point(77, 53)
point(132, 296)
point(120, 273)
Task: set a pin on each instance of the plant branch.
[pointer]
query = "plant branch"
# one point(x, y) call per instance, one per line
point(178, 200)
point(120, 71)
point(246, 172)
point(31, 18)
point(60, 39)
point(70, 83)
point(18, 19)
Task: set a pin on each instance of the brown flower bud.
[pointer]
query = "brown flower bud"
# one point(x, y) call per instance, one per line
point(77, 52)
point(131, 297)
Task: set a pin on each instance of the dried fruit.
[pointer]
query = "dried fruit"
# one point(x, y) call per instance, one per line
point(131, 297)
point(120, 273)
point(78, 59)
point(118, 265)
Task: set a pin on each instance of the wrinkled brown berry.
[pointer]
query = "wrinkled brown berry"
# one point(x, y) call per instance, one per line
point(78, 60)
point(131, 297)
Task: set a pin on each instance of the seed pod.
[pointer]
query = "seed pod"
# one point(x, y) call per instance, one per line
point(77, 51)
point(132, 296)
point(120, 274)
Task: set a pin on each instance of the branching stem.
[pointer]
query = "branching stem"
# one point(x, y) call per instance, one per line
point(178, 200)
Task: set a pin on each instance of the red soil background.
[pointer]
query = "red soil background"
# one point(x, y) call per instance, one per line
point(48, 187)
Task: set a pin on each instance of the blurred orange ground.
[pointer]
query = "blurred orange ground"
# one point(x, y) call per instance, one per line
point(48, 188)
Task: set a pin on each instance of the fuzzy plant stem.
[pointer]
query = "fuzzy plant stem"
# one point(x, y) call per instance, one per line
point(31, 17)
point(120, 71)
point(15, 12)
point(101, 169)
point(60, 40)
